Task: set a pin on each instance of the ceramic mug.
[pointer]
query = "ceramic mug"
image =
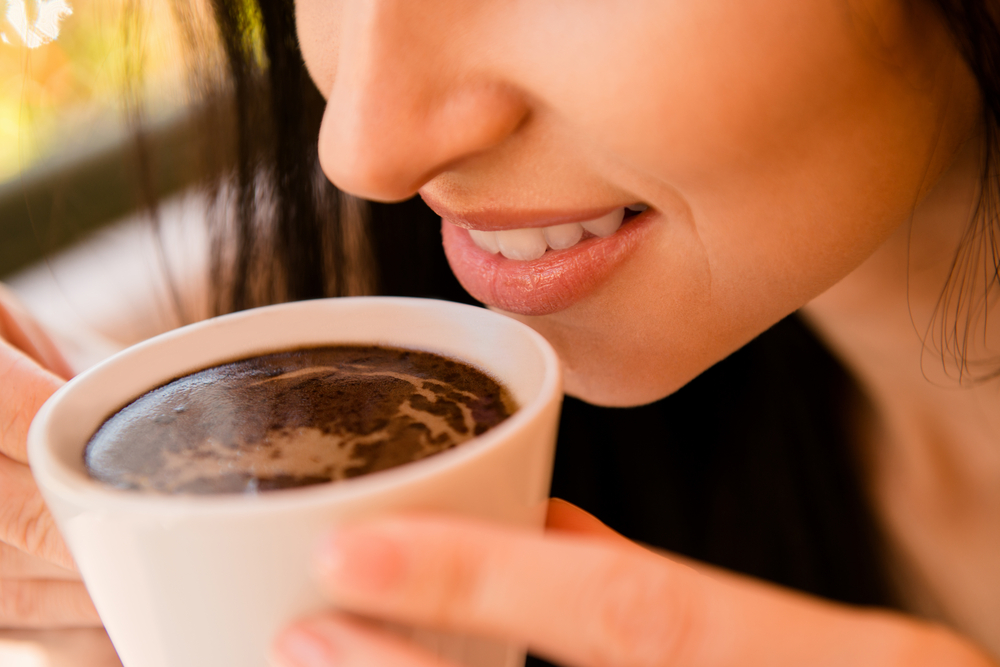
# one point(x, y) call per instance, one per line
point(207, 581)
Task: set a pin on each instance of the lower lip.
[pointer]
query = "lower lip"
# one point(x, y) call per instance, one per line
point(554, 282)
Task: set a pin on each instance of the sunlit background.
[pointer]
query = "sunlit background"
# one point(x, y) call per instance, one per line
point(65, 66)
point(78, 78)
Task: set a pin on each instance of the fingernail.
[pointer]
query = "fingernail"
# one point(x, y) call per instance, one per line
point(301, 648)
point(360, 561)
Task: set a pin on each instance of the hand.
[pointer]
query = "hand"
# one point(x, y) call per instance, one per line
point(39, 586)
point(583, 596)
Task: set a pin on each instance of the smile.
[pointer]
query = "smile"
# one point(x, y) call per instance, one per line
point(530, 243)
point(537, 269)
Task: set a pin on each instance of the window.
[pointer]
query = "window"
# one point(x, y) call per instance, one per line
point(67, 70)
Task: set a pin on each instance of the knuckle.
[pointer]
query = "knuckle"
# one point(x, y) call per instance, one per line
point(646, 616)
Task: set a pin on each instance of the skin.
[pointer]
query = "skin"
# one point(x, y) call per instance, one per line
point(788, 147)
point(930, 445)
point(630, 608)
point(782, 141)
point(783, 144)
point(39, 585)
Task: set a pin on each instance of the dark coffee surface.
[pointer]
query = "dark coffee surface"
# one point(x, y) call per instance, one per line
point(294, 419)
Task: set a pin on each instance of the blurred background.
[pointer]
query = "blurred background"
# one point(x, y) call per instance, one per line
point(75, 78)
point(105, 107)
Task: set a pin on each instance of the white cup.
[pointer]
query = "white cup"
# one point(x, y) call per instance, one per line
point(207, 581)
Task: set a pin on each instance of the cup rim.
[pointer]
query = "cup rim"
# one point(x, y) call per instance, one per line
point(53, 476)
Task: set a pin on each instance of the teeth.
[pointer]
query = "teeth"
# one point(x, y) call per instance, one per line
point(522, 244)
point(485, 240)
point(607, 225)
point(531, 243)
point(560, 237)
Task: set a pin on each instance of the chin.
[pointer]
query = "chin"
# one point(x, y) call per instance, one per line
point(611, 365)
point(616, 374)
point(618, 387)
point(604, 366)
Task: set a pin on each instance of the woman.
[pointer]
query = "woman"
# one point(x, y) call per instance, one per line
point(762, 157)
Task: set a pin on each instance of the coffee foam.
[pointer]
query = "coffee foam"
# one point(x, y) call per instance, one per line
point(294, 419)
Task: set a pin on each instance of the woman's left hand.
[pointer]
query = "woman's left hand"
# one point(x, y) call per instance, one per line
point(583, 596)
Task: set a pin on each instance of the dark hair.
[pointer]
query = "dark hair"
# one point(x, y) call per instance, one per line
point(961, 312)
point(767, 484)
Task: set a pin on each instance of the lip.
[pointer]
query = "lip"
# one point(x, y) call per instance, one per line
point(497, 220)
point(551, 283)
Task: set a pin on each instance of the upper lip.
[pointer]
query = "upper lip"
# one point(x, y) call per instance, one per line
point(491, 220)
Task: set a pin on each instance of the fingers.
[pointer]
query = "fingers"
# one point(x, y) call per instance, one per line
point(588, 602)
point(24, 387)
point(45, 604)
point(619, 607)
point(16, 564)
point(21, 330)
point(35, 593)
point(334, 639)
point(25, 521)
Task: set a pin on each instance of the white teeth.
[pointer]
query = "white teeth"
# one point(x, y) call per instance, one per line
point(522, 244)
point(485, 240)
point(531, 243)
point(607, 225)
point(637, 208)
point(560, 237)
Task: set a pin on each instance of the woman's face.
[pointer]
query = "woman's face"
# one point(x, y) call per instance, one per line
point(776, 143)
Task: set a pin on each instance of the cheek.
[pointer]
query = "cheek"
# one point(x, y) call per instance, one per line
point(697, 291)
point(698, 83)
point(790, 184)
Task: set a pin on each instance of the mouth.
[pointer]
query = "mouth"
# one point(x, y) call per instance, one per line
point(530, 243)
point(539, 268)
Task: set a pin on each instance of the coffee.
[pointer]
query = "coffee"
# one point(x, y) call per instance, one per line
point(293, 419)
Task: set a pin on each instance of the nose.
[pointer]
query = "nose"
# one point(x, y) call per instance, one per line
point(410, 97)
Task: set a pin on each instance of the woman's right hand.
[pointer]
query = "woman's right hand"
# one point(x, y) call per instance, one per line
point(39, 585)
